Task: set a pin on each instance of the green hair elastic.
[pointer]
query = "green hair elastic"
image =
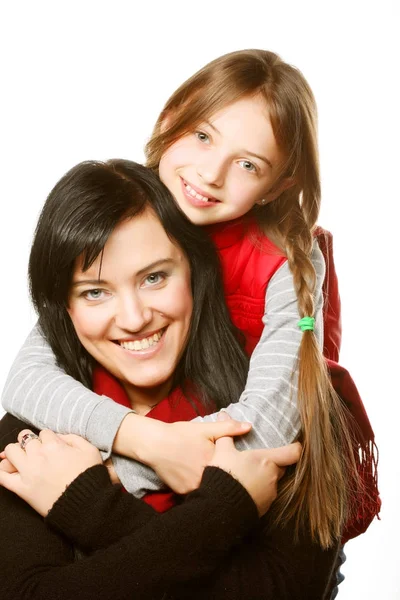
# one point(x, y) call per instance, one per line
point(306, 323)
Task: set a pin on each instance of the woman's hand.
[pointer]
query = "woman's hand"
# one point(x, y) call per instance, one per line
point(177, 452)
point(40, 473)
point(257, 470)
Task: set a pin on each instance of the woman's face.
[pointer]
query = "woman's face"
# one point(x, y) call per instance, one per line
point(230, 163)
point(132, 308)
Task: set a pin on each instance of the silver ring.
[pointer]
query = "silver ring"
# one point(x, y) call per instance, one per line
point(26, 438)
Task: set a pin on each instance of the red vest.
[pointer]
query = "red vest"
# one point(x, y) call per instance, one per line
point(249, 260)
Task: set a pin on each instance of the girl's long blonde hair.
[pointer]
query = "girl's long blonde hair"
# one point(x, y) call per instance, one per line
point(317, 493)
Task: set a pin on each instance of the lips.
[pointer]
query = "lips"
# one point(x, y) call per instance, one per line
point(196, 195)
point(142, 343)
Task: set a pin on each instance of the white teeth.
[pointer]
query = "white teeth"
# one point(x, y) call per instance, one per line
point(193, 193)
point(142, 344)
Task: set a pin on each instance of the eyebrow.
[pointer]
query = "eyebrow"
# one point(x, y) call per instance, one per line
point(155, 264)
point(263, 158)
point(88, 282)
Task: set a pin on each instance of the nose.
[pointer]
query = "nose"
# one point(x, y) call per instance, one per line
point(211, 170)
point(132, 313)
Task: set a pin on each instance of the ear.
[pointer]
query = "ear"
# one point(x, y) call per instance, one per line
point(275, 192)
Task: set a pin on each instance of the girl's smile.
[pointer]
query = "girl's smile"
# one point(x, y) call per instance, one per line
point(197, 197)
point(220, 171)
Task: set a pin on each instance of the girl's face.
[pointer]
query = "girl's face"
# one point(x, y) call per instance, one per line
point(230, 163)
point(132, 308)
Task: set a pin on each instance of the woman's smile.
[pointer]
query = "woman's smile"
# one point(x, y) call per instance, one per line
point(140, 344)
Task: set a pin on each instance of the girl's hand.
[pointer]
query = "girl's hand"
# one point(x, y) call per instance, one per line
point(257, 470)
point(46, 466)
point(177, 452)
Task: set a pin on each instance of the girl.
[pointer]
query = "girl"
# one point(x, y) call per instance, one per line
point(236, 145)
point(148, 259)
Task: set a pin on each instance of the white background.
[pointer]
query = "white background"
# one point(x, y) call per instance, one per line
point(86, 80)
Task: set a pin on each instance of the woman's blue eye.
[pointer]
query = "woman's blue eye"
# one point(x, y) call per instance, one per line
point(202, 137)
point(155, 278)
point(247, 165)
point(95, 294)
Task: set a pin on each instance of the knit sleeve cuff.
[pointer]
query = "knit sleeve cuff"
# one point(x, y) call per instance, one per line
point(224, 488)
point(73, 506)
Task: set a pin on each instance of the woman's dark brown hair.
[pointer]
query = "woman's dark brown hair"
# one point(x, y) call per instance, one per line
point(78, 217)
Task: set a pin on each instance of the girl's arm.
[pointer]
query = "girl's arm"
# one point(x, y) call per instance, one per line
point(269, 400)
point(40, 393)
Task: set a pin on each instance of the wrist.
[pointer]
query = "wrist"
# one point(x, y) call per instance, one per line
point(138, 438)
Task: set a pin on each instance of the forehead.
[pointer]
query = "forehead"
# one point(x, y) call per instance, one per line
point(251, 109)
point(134, 244)
point(247, 123)
point(255, 106)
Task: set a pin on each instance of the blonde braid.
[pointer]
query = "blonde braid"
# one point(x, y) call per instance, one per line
point(316, 493)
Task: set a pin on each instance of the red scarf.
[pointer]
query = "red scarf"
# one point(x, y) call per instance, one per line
point(174, 407)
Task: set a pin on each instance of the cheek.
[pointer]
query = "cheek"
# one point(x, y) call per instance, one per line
point(244, 194)
point(88, 322)
point(184, 303)
point(178, 155)
point(178, 304)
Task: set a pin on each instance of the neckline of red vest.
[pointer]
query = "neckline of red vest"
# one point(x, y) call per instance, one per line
point(228, 233)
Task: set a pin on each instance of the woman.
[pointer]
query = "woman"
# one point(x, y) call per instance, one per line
point(84, 311)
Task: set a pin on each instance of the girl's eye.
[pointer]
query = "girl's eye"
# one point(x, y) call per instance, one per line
point(95, 294)
point(155, 278)
point(248, 166)
point(202, 137)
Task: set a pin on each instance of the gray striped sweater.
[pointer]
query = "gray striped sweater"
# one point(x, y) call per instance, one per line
point(40, 393)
